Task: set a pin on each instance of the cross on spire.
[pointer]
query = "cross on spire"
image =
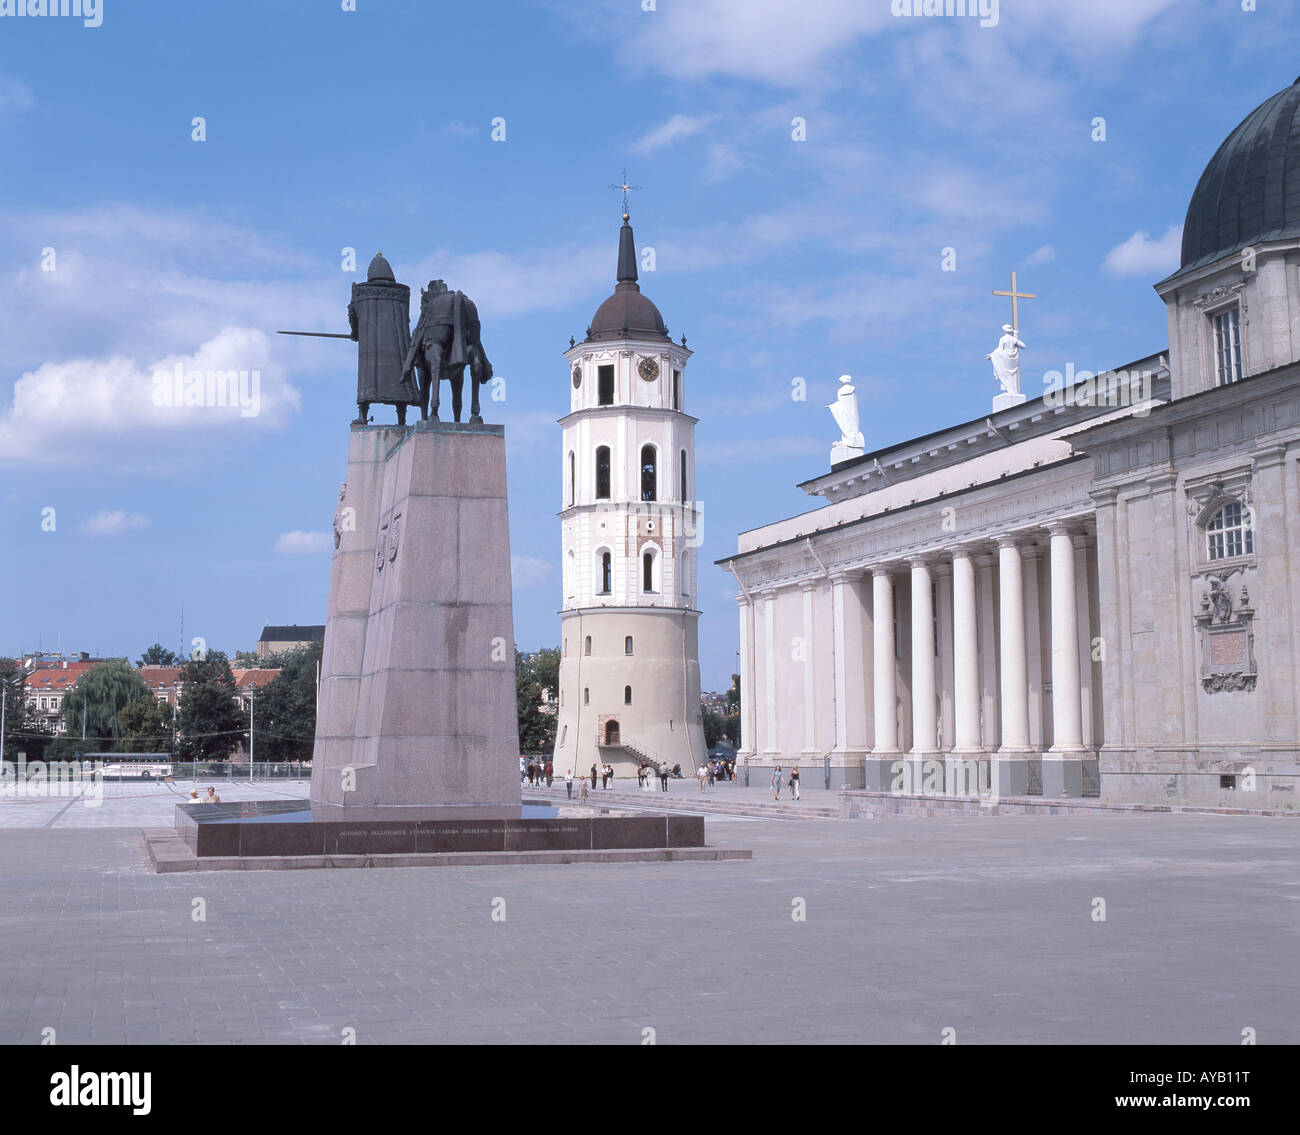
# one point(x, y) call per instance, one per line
point(1015, 295)
point(624, 188)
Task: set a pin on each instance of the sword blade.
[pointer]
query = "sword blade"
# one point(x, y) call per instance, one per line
point(316, 334)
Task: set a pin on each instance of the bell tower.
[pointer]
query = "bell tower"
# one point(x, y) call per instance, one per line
point(629, 667)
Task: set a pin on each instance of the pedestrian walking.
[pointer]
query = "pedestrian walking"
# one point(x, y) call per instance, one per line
point(550, 773)
point(794, 781)
point(593, 778)
point(663, 776)
point(604, 776)
point(568, 783)
point(523, 769)
point(582, 792)
point(776, 783)
point(702, 774)
point(713, 773)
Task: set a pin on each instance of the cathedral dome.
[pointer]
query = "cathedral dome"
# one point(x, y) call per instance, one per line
point(1250, 191)
point(627, 313)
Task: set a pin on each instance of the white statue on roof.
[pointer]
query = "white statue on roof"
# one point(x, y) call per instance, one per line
point(845, 411)
point(1006, 359)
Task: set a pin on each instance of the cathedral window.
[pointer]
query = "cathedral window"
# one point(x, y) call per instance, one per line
point(605, 386)
point(627, 645)
point(586, 646)
point(606, 575)
point(677, 390)
point(649, 473)
point(627, 695)
point(1230, 532)
point(572, 477)
point(602, 473)
point(682, 479)
point(586, 697)
point(1227, 345)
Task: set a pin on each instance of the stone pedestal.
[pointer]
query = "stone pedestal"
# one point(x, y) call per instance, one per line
point(417, 695)
point(1006, 401)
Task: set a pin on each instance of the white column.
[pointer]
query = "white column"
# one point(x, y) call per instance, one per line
point(809, 674)
point(1015, 685)
point(924, 720)
point(1067, 718)
point(771, 741)
point(1030, 580)
point(885, 682)
point(747, 740)
point(838, 583)
point(985, 586)
point(944, 675)
point(965, 654)
point(1083, 604)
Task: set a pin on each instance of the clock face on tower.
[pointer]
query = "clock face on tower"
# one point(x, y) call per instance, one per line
point(648, 369)
point(577, 377)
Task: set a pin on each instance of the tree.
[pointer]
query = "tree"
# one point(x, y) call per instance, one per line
point(146, 726)
point(102, 692)
point(535, 673)
point(25, 732)
point(284, 710)
point(209, 714)
point(159, 655)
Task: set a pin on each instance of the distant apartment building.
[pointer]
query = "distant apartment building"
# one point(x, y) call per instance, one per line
point(275, 640)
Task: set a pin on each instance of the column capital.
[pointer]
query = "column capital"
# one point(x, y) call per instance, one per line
point(1162, 482)
point(1011, 540)
point(1105, 497)
point(806, 585)
point(847, 575)
point(1062, 527)
point(888, 569)
point(1269, 455)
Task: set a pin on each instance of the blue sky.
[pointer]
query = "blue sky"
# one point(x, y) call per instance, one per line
point(328, 129)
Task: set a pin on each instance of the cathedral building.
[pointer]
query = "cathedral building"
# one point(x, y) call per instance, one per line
point(1093, 592)
point(629, 667)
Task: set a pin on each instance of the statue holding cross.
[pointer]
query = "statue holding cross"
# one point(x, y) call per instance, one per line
point(1005, 357)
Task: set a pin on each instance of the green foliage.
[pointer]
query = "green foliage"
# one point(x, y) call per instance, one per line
point(146, 726)
point(104, 691)
point(210, 720)
point(533, 674)
point(159, 655)
point(284, 712)
point(25, 732)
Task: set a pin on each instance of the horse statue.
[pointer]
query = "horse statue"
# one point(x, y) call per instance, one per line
point(447, 339)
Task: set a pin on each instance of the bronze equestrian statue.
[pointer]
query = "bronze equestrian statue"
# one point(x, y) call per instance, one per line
point(446, 340)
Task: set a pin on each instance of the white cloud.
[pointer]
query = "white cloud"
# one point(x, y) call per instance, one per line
point(755, 39)
point(1044, 254)
point(724, 161)
point(15, 95)
point(299, 543)
point(1142, 256)
point(529, 571)
point(113, 522)
point(678, 127)
point(82, 409)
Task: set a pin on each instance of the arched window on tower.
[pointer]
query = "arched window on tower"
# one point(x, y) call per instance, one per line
point(649, 473)
point(677, 390)
point(586, 646)
point(605, 386)
point(602, 473)
point(682, 482)
point(573, 470)
point(606, 573)
point(627, 695)
point(627, 645)
point(650, 571)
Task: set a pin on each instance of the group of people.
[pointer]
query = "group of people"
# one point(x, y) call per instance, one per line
point(210, 798)
point(536, 772)
point(778, 780)
point(647, 773)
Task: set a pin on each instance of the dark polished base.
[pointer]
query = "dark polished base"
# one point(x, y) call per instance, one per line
point(292, 828)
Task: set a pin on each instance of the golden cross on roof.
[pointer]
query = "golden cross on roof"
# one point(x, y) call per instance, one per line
point(624, 187)
point(1015, 295)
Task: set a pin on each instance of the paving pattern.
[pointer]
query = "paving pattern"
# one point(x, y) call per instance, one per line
point(912, 926)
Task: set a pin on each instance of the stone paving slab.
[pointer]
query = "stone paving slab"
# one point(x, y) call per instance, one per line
point(909, 928)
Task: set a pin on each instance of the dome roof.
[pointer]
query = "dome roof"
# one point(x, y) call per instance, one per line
point(1250, 191)
point(627, 313)
point(380, 269)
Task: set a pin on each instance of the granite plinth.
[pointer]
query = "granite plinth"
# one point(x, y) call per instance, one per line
point(293, 828)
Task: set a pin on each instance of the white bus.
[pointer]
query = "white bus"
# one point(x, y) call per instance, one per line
point(130, 766)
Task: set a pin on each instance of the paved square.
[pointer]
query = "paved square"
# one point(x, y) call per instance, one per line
point(913, 926)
